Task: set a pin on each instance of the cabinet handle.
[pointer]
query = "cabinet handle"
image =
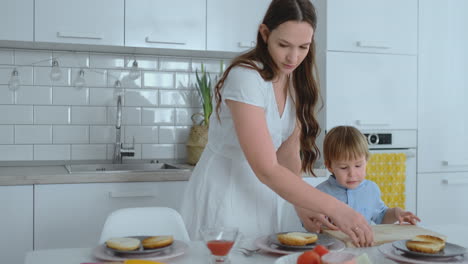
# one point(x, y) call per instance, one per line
point(130, 194)
point(149, 40)
point(455, 181)
point(78, 35)
point(372, 44)
point(452, 164)
point(247, 44)
point(362, 123)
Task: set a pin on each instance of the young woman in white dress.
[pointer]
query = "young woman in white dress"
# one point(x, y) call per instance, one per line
point(262, 136)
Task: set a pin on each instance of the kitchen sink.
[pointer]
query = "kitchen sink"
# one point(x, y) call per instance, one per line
point(121, 168)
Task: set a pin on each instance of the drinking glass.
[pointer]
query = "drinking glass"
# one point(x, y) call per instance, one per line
point(219, 241)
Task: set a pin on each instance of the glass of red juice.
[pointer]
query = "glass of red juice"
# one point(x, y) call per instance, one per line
point(219, 241)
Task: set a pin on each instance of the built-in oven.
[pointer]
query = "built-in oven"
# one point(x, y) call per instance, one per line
point(399, 142)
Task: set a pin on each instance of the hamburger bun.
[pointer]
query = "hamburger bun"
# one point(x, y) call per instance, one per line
point(297, 238)
point(426, 244)
point(123, 243)
point(157, 242)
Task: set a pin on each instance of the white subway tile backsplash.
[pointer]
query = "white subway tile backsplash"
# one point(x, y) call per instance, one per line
point(181, 151)
point(158, 151)
point(34, 95)
point(123, 77)
point(93, 115)
point(93, 78)
point(167, 135)
point(7, 57)
point(33, 134)
point(103, 134)
point(106, 61)
point(54, 115)
point(182, 81)
point(141, 98)
point(102, 96)
point(89, 152)
point(42, 77)
point(142, 134)
point(70, 96)
point(25, 74)
point(144, 62)
point(16, 114)
point(6, 134)
point(158, 80)
point(52, 152)
point(6, 95)
point(137, 147)
point(33, 58)
point(130, 115)
point(182, 133)
point(174, 64)
point(158, 116)
point(184, 115)
point(175, 98)
point(71, 59)
point(16, 152)
point(215, 66)
point(70, 134)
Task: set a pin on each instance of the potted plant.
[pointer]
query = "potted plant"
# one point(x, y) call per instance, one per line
point(198, 136)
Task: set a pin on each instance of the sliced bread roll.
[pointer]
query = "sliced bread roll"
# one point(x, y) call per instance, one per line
point(426, 244)
point(157, 242)
point(123, 243)
point(297, 238)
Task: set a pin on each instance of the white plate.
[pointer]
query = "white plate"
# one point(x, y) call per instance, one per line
point(450, 250)
point(392, 253)
point(178, 248)
point(289, 259)
point(265, 244)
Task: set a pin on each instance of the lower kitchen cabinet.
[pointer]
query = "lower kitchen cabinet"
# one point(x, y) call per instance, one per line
point(16, 224)
point(72, 215)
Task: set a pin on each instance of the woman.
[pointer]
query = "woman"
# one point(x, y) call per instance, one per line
point(264, 124)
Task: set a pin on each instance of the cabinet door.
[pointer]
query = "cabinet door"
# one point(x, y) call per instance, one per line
point(442, 198)
point(443, 64)
point(177, 24)
point(372, 26)
point(371, 91)
point(16, 20)
point(233, 25)
point(16, 224)
point(80, 22)
point(72, 215)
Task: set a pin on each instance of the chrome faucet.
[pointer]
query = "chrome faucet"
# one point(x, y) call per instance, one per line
point(119, 150)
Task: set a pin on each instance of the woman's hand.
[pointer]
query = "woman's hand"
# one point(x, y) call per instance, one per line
point(354, 225)
point(313, 221)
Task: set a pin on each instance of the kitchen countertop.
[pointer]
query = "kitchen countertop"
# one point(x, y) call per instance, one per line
point(58, 174)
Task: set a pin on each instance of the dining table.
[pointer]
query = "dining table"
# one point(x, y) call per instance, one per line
point(196, 253)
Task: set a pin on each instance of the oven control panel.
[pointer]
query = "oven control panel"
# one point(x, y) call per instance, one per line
point(379, 139)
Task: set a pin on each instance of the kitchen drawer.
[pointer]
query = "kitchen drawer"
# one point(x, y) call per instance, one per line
point(72, 215)
point(442, 198)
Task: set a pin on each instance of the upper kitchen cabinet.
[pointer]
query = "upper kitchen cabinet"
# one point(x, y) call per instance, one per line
point(443, 64)
point(380, 26)
point(233, 25)
point(99, 22)
point(176, 24)
point(371, 91)
point(16, 20)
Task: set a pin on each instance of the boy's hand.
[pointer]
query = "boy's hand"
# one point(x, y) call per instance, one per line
point(406, 216)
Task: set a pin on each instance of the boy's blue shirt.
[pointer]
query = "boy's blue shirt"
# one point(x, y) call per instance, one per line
point(365, 198)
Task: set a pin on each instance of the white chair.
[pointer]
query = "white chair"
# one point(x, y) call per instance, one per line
point(141, 221)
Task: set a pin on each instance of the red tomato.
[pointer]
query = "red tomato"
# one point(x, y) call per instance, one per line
point(321, 250)
point(309, 257)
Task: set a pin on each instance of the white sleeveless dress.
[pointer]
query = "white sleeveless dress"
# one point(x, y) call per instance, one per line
point(223, 190)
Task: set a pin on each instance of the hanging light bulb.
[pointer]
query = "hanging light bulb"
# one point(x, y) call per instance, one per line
point(80, 81)
point(135, 71)
point(14, 82)
point(56, 72)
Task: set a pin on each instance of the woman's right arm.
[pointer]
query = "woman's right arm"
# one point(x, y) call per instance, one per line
point(257, 145)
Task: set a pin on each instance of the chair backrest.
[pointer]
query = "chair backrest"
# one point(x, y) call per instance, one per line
point(143, 221)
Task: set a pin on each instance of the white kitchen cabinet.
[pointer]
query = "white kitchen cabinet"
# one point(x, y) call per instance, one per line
point(233, 25)
point(72, 215)
point(99, 22)
point(442, 198)
point(16, 224)
point(177, 24)
point(379, 26)
point(443, 64)
point(371, 91)
point(16, 20)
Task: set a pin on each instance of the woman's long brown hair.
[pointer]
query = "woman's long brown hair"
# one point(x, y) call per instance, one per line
point(304, 76)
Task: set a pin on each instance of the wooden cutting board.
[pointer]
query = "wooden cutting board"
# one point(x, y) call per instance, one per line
point(387, 233)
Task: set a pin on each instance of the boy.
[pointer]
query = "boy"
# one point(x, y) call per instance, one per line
point(346, 153)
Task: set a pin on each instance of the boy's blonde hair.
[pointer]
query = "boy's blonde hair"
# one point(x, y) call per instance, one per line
point(344, 143)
